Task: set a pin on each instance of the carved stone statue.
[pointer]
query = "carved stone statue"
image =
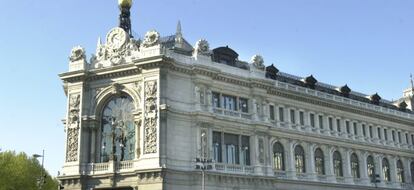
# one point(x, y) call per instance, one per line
point(202, 47)
point(258, 62)
point(77, 53)
point(151, 38)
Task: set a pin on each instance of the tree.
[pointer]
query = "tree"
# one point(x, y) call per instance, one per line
point(18, 172)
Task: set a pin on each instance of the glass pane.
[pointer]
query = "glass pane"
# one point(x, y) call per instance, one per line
point(118, 130)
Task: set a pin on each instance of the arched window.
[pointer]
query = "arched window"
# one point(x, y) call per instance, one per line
point(355, 166)
point(412, 171)
point(337, 163)
point(400, 172)
point(370, 167)
point(319, 162)
point(300, 159)
point(278, 156)
point(118, 130)
point(386, 169)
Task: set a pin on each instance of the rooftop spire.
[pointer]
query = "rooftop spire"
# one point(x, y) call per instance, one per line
point(124, 17)
point(412, 83)
point(179, 35)
point(179, 27)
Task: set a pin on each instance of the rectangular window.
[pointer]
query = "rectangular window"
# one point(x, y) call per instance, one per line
point(243, 105)
point(231, 144)
point(292, 116)
point(348, 130)
point(302, 118)
point(320, 121)
point(281, 114)
point(229, 102)
point(217, 146)
point(245, 151)
point(370, 131)
point(355, 128)
point(312, 120)
point(386, 134)
point(216, 100)
point(379, 132)
point(406, 138)
point(338, 125)
point(364, 132)
point(399, 137)
point(330, 122)
point(393, 135)
point(272, 112)
point(412, 139)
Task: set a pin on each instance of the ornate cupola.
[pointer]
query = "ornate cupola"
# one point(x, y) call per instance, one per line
point(125, 16)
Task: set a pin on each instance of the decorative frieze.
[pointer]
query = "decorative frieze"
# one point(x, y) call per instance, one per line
point(73, 128)
point(151, 118)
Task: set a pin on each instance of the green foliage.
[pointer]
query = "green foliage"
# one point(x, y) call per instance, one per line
point(20, 172)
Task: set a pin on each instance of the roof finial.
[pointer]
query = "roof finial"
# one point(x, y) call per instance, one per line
point(412, 82)
point(179, 27)
point(125, 16)
point(179, 34)
point(99, 43)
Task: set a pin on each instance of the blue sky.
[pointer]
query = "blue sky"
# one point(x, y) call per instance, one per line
point(367, 44)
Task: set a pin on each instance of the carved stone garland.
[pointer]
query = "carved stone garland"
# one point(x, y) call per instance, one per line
point(73, 128)
point(150, 121)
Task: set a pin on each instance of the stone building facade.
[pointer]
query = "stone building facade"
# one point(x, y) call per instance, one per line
point(163, 114)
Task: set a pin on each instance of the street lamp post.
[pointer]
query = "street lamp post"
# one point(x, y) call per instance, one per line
point(42, 175)
point(203, 163)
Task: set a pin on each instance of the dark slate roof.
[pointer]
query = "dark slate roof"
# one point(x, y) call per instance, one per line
point(295, 80)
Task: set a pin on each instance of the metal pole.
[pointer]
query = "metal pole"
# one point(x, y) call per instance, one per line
point(202, 179)
point(41, 172)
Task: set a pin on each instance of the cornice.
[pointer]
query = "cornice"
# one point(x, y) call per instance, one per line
point(272, 90)
point(164, 62)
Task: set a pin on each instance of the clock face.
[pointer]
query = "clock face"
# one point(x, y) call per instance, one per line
point(116, 38)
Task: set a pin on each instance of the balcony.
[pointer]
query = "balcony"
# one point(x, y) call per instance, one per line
point(231, 113)
point(238, 169)
point(108, 167)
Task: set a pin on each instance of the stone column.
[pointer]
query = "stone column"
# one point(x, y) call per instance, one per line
point(328, 159)
point(390, 141)
point(393, 170)
point(266, 114)
point(351, 130)
point(398, 138)
point(363, 167)
point(308, 126)
point(378, 169)
point(310, 162)
point(334, 126)
point(344, 133)
point(317, 129)
point(255, 113)
point(290, 160)
point(209, 100)
point(326, 129)
point(277, 115)
point(347, 166)
point(407, 170)
point(360, 132)
point(93, 126)
point(375, 135)
point(288, 117)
